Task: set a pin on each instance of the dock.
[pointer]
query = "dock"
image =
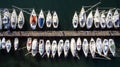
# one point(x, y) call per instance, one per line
point(58, 33)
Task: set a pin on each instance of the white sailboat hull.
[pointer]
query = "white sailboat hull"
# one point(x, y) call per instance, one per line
point(85, 47)
point(16, 43)
point(82, 18)
point(41, 19)
point(48, 48)
point(3, 43)
point(109, 19)
point(60, 47)
point(99, 46)
point(41, 47)
point(112, 46)
point(54, 48)
point(21, 20)
point(14, 19)
point(29, 44)
point(1, 22)
point(73, 47)
point(34, 47)
point(55, 20)
point(66, 48)
point(92, 47)
point(75, 20)
point(49, 19)
point(89, 21)
point(33, 20)
point(8, 46)
point(78, 44)
point(105, 47)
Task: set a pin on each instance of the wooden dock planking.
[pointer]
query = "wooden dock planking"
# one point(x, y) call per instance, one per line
point(59, 33)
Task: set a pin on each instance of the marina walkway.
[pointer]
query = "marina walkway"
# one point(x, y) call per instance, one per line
point(58, 33)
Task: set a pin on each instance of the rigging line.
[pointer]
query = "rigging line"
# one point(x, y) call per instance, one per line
point(20, 9)
point(93, 6)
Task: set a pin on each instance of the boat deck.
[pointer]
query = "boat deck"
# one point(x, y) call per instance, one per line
point(58, 33)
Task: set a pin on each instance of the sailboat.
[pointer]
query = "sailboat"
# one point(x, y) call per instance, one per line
point(29, 44)
point(105, 47)
point(41, 19)
point(103, 22)
point(41, 47)
point(8, 45)
point(79, 44)
point(14, 19)
point(73, 47)
point(109, 19)
point(97, 18)
point(3, 43)
point(85, 47)
point(16, 43)
point(92, 47)
point(1, 22)
point(34, 47)
point(55, 20)
point(66, 47)
point(89, 22)
point(48, 19)
point(60, 47)
point(75, 20)
point(21, 20)
point(116, 19)
point(112, 46)
point(99, 46)
point(54, 48)
point(82, 18)
point(33, 19)
point(6, 18)
point(48, 48)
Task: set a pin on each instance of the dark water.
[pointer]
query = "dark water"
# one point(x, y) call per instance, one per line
point(65, 10)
